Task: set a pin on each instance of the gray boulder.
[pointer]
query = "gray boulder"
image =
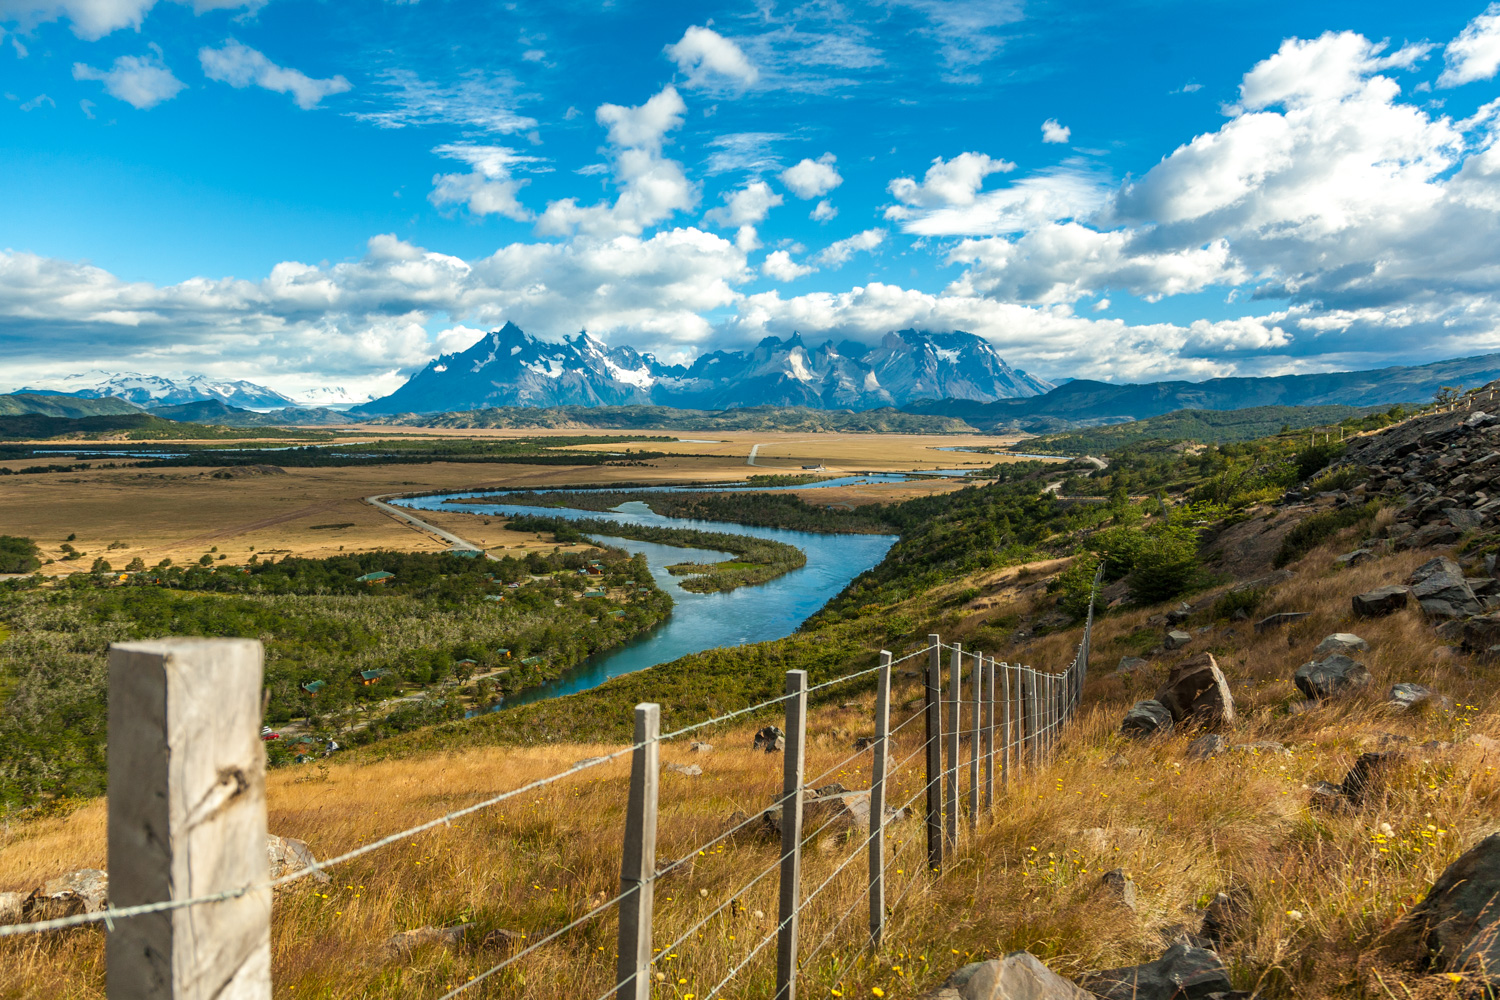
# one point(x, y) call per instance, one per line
point(1334, 675)
point(1439, 586)
point(1130, 664)
point(1280, 620)
point(700, 747)
point(286, 855)
point(1146, 719)
point(1121, 886)
point(1185, 972)
point(1381, 601)
point(83, 891)
point(1176, 639)
point(1340, 642)
point(688, 770)
point(1018, 976)
point(770, 739)
point(1405, 696)
point(1456, 928)
point(1204, 747)
point(1354, 558)
point(1367, 776)
point(1197, 692)
point(12, 907)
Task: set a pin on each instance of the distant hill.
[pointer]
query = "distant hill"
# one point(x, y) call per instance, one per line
point(750, 418)
point(157, 390)
point(1084, 402)
point(510, 368)
point(21, 403)
point(1203, 426)
point(213, 411)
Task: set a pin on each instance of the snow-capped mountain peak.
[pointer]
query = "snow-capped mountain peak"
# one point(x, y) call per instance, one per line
point(158, 390)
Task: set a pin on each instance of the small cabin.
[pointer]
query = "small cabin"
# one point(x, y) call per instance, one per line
point(502, 651)
point(531, 661)
point(374, 676)
point(313, 687)
point(494, 597)
point(379, 576)
point(595, 592)
point(617, 613)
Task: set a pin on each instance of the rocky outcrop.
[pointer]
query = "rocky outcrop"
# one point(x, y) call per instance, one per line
point(1207, 746)
point(1440, 588)
point(1340, 642)
point(1018, 976)
point(1130, 664)
point(1184, 972)
point(1406, 696)
point(770, 739)
point(688, 770)
point(1146, 719)
point(1176, 639)
point(1381, 601)
point(1329, 677)
point(1120, 887)
point(82, 891)
point(1279, 620)
point(287, 856)
point(1197, 694)
point(1456, 927)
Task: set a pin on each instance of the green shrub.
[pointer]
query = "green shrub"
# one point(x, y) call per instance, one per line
point(18, 555)
point(1342, 479)
point(101, 565)
point(1319, 528)
point(1166, 565)
point(1314, 457)
point(1238, 600)
point(1074, 584)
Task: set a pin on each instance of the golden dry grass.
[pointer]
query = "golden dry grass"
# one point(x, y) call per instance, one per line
point(1320, 889)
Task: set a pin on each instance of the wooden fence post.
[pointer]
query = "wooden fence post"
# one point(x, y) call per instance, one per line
point(934, 709)
point(955, 690)
point(877, 798)
point(1008, 729)
point(1029, 706)
point(638, 866)
point(976, 686)
point(989, 735)
point(187, 817)
point(791, 835)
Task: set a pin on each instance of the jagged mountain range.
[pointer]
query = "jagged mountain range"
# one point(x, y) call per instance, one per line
point(509, 367)
point(155, 391)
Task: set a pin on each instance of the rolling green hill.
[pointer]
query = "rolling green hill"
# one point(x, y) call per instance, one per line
point(44, 404)
point(1203, 426)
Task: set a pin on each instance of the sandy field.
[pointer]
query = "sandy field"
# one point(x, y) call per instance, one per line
point(183, 513)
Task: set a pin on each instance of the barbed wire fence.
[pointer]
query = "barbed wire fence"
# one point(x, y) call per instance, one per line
point(189, 907)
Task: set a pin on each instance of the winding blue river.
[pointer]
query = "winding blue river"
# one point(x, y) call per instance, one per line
point(699, 621)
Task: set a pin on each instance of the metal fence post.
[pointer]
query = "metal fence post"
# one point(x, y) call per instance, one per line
point(934, 709)
point(976, 686)
point(955, 690)
point(989, 734)
point(638, 866)
point(187, 817)
point(791, 834)
point(877, 798)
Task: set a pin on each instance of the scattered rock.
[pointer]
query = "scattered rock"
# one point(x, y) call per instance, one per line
point(1121, 886)
point(866, 742)
point(405, 941)
point(1197, 692)
point(1481, 634)
point(1454, 928)
point(690, 770)
point(1183, 972)
point(697, 747)
point(1280, 619)
point(1334, 675)
point(1179, 615)
point(1404, 696)
point(83, 891)
point(1018, 976)
point(1204, 747)
point(1263, 582)
point(1146, 719)
point(1430, 535)
point(1176, 639)
point(770, 739)
point(1367, 775)
point(587, 761)
point(1328, 796)
point(1354, 558)
point(1441, 589)
point(1381, 601)
point(1340, 642)
point(12, 907)
point(1262, 747)
point(1130, 664)
point(287, 855)
point(1220, 918)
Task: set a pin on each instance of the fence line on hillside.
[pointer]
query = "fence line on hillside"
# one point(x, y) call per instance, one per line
point(187, 811)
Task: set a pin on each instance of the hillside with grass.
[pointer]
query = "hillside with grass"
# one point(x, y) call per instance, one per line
point(1287, 835)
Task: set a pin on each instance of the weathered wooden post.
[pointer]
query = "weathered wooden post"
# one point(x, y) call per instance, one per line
point(976, 686)
point(955, 700)
point(791, 834)
point(934, 723)
point(877, 798)
point(1028, 693)
point(1008, 729)
point(638, 866)
point(187, 817)
point(989, 734)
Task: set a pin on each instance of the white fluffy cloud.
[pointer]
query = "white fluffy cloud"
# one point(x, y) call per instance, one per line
point(240, 66)
point(709, 59)
point(823, 211)
point(652, 187)
point(839, 253)
point(93, 19)
point(1475, 53)
point(948, 183)
point(810, 179)
point(1052, 131)
point(140, 81)
point(779, 265)
point(955, 206)
point(488, 188)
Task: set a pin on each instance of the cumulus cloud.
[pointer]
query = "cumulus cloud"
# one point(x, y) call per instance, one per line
point(958, 209)
point(709, 59)
point(947, 183)
point(93, 19)
point(823, 211)
point(652, 187)
point(1054, 132)
point(488, 188)
point(839, 253)
point(779, 265)
point(240, 66)
point(140, 81)
point(1475, 53)
point(747, 206)
point(808, 179)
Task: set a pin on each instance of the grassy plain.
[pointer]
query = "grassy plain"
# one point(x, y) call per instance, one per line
point(181, 513)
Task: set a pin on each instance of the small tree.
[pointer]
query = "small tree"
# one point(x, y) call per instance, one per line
point(101, 566)
point(1166, 564)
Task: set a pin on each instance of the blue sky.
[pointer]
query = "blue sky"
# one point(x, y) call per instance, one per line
point(315, 193)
